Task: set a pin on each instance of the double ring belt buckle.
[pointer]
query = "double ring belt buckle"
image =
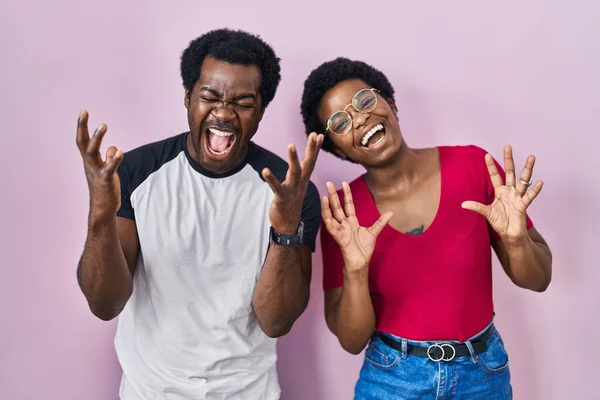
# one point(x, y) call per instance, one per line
point(442, 348)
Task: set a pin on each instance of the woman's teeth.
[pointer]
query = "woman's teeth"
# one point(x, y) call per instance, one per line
point(370, 134)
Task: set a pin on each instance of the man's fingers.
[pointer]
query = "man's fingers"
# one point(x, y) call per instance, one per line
point(475, 206)
point(313, 147)
point(110, 153)
point(381, 222)
point(93, 148)
point(83, 136)
point(113, 161)
point(294, 170)
point(272, 180)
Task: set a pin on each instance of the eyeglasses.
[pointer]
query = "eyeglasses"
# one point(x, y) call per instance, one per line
point(364, 101)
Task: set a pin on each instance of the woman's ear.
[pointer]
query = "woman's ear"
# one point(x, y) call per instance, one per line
point(392, 105)
point(339, 152)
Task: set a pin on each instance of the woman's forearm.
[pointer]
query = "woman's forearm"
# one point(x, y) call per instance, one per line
point(530, 264)
point(352, 317)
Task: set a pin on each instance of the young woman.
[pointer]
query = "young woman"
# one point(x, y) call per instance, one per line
point(407, 245)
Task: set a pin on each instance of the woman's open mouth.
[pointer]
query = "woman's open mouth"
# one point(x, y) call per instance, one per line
point(374, 138)
point(219, 142)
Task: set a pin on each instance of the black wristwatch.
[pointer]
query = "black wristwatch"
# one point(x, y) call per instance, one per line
point(287, 240)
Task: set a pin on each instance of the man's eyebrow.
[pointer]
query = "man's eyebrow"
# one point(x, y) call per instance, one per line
point(212, 91)
point(242, 96)
point(245, 96)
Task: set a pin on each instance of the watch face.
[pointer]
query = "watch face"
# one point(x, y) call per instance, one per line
point(301, 232)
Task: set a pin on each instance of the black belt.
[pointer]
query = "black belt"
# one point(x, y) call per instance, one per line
point(441, 351)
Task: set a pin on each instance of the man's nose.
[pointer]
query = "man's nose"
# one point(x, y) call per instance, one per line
point(223, 112)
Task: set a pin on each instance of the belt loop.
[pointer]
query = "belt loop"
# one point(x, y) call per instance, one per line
point(404, 344)
point(474, 357)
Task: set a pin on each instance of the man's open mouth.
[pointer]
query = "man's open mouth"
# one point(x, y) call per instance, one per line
point(219, 142)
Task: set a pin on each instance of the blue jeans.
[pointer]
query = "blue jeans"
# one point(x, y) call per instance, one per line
point(389, 374)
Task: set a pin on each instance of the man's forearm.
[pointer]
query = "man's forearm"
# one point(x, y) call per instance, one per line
point(530, 264)
point(102, 272)
point(282, 291)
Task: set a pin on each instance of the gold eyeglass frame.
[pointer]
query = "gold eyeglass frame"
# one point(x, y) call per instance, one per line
point(350, 116)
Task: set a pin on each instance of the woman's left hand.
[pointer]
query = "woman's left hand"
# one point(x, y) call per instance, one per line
point(507, 215)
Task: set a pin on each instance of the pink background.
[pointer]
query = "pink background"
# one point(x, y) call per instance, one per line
point(521, 72)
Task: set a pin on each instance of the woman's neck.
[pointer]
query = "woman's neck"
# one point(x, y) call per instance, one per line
point(399, 174)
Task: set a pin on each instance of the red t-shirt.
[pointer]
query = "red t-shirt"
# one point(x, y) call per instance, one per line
point(437, 285)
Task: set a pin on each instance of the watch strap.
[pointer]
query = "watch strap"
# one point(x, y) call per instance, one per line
point(287, 240)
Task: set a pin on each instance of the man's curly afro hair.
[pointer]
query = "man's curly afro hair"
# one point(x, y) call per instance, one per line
point(234, 47)
point(326, 76)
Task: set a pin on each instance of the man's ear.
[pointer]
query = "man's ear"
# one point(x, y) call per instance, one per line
point(186, 99)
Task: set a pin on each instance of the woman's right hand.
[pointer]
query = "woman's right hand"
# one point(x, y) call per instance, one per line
point(356, 242)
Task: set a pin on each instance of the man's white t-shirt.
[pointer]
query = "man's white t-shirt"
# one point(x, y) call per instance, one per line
point(189, 331)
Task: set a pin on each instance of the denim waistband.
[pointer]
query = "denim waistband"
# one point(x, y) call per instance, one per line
point(472, 346)
point(430, 342)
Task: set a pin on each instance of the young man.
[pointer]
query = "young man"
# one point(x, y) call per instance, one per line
point(202, 242)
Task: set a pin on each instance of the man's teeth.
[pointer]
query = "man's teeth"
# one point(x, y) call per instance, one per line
point(369, 134)
point(219, 133)
point(218, 153)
